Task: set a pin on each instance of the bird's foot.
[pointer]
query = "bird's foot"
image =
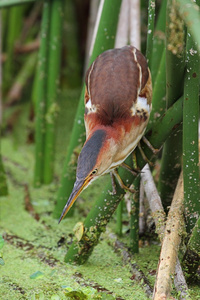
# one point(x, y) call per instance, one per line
point(144, 155)
point(133, 171)
point(114, 190)
point(122, 185)
point(151, 147)
point(155, 151)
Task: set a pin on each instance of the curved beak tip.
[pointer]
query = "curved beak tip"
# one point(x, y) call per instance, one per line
point(66, 209)
point(78, 187)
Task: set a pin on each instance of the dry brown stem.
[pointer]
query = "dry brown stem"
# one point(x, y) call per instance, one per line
point(135, 23)
point(170, 245)
point(123, 26)
point(28, 205)
point(29, 47)
point(30, 22)
point(159, 218)
point(154, 201)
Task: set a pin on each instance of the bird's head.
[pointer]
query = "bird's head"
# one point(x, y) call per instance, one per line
point(94, 160)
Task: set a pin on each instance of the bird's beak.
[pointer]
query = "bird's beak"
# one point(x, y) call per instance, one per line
point(79, 186)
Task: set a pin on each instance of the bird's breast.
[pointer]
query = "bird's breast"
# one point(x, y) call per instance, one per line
point(129, 136)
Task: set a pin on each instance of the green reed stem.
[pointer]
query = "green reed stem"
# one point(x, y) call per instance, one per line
point(150, 31)
point(158, 40)
point(119, 224)
point(190, 134)
point(14, 24)
point(172, 151)
point(190, 13)
point(39, 95)
point(159, 92)
point(134, 220)
point(191, 258)
point(53, 75)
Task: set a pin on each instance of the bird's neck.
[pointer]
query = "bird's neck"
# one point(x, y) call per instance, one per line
point(116, 131)
point(109, 131)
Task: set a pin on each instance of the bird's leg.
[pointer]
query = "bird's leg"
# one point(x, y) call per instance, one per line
point(155, 151)
point(144, 156)
point(114, 191)
point(122, 185)
point(133, 171)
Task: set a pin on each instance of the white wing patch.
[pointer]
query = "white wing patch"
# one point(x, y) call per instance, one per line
point(141, 106)
point(142, 103)
point(91, 108)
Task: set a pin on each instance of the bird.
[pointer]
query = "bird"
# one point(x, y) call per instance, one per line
point(117, 100)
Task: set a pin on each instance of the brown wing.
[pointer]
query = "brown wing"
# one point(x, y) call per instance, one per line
point(114, 81)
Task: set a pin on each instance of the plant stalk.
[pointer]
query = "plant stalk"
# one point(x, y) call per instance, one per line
point(53, 75)
point(190, 134)
point(39, 95)
point(172, 151)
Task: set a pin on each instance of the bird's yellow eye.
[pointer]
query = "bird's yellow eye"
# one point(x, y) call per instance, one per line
point(94, 171)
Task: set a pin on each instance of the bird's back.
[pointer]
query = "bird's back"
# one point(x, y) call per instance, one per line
point(116, 75)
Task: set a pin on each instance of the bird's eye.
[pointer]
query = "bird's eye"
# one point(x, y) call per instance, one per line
point(94, 171)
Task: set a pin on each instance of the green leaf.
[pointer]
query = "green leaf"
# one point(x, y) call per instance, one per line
point(36, 275)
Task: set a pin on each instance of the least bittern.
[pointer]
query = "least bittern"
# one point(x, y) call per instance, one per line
point(117, 107)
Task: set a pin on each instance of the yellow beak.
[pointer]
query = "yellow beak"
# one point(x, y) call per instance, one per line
point(79, 186)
